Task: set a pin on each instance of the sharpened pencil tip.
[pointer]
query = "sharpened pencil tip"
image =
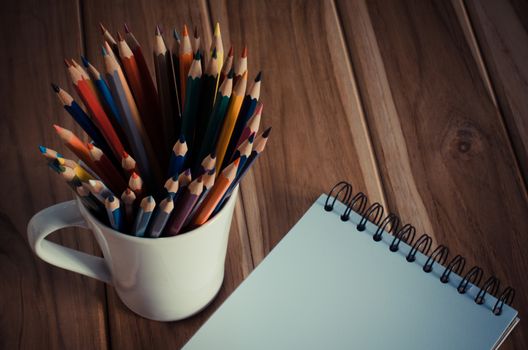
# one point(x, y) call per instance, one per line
point(217, 29)
point(103, 50)
point(176, 35)
point(55, 87)
point(236, 161)
point(182, 139)
point(198, 55)
point(110, 198)
point(134, 175)
point(244, 52)
point(231, 74)
point(259, 77)
point(127, 30)
point(213, 155)
point(67, 63)
point(158, 30)
point(230, 53)
point(42, 149)
point(185, 30)
point(251, 138)
point(125, 155)
point(119, 36)
point(214, 55)
point(103, 29)
point(57, 128)
point(266, 133)
point(85, 61)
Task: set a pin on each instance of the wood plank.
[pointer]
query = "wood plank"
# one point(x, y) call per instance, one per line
point(129, 331)
point(42, 306)
point(319, 133)
point(417, 74)
point(502, 33)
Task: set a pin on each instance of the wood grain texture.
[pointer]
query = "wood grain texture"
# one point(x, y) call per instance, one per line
point(462, 167)
point(501, 28)
point(319, 136)
point(129, 331)
point(42, 306)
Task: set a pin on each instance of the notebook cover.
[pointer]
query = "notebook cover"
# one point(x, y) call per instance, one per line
point(327, 285)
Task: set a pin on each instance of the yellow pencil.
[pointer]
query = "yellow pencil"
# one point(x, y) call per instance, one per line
point(230, 120)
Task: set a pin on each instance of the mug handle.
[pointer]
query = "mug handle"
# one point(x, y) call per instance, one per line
point(54, 218)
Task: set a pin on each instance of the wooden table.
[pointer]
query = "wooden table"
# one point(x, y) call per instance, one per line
point(422, 105)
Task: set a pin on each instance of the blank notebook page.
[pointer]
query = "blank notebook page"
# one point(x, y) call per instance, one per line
point(327, 285)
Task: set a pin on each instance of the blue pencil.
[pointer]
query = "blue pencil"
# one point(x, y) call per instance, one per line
point(84, 121)
point(113, 209)
point(103, 89)
point(146, 208)
point(179, 151)
point(162, 216)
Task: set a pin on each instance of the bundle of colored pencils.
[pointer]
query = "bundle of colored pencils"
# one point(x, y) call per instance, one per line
point(127, 175)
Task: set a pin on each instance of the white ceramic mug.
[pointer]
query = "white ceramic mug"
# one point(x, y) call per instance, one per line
point(163, 279)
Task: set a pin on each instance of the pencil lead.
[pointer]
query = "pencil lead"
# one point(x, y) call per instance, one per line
point(231, 73)
point(196, 32)
point(259, 77)
point(119, 36)
point(85, 61)
point(103, 29)
point(57, 128)
point(198, 55)
point(244, 52)
point(127, 30)
point(103, 50)
point(182, 138)
point(214, 54)
point(185, 30)
point(134, 175)
point(55, 87)
point(176, 35)
point(67, 63)
point(110, 198)
point(266, 132)
point(158, 30)
point(251, 138)
point(42, 149)
point(230, 53)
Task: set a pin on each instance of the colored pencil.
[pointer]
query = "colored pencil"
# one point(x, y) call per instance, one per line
point(107, 170)
point(110, 40)
point(75, 145)
point(192, 100)
point(208, 180)
point(218, 45)
point(185, 60)
point(206, 103)
point(80, 116)
point(113, 209)
point(147, 112)
point(56, 156)
point(143, 216)
point(132, 123)
point(229, 121)
point(217, 117)
point(99, 190)
point(252, 125)
point(259, 145)
point(228, 65)
point(69, 176)
point(106, 95)
point(240, 66)
point(136, 184)
point(246, 111)
point(166, 88)
point(184, 179)
point(176, 69)
point(161, 217)
point(179, 152)
point(96, 111)
point(221, 185)
point(128, 199)
point(149, 88)
point(171, 185)
point(88, 199)
point(183, 206)
point(244, 151)
point(128, 164)
point(206, 165)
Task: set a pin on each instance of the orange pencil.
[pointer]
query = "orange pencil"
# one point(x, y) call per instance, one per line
point(215, 195)
point(76, 146)
point(97, 112)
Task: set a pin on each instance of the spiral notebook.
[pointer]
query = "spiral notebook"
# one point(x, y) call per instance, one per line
point(350, 277)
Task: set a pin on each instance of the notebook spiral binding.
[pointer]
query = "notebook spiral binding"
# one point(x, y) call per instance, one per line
point(391, 224)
